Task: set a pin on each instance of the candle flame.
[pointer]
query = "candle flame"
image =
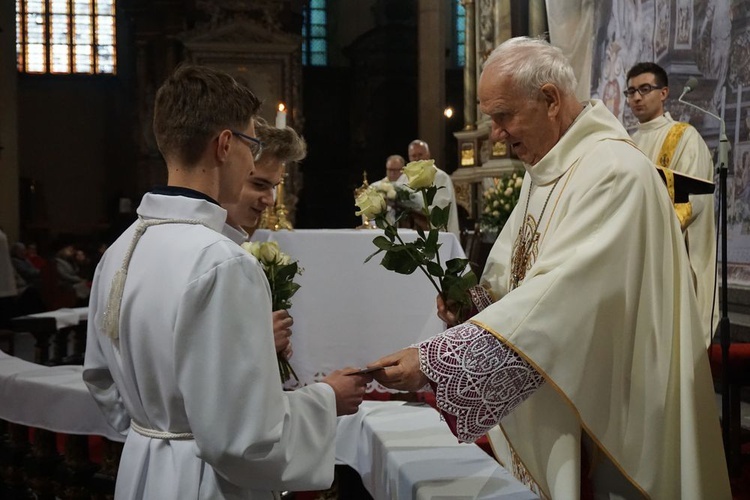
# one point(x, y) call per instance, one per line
point(282, 107)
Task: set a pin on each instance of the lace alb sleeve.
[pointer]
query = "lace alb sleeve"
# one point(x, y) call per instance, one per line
point(477, 379)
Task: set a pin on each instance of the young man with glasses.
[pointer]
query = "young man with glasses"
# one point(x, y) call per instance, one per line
point(679, 146)
point(180, 352)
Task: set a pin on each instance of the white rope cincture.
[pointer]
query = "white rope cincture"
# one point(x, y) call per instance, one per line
point(111, 321)
point(153, 433)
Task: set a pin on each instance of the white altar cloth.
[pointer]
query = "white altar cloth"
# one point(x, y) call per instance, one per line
point(347, 312)
point(64, 318)
point(49, 397)
point(404, 451)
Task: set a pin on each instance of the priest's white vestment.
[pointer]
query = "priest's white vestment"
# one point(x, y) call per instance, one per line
point(606, 313)
point(691, 156)
point(195, 354)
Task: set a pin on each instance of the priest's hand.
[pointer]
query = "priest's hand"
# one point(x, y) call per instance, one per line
point(445, 313)
point(401, 371)
point(282, 330)
point(349, 389)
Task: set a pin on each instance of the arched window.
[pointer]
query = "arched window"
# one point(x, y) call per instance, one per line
point(66, 36)
point(315, 34)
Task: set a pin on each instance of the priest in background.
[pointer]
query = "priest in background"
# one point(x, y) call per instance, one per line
point(420, 150)
point(587, 348)
point(180, 352)
point(679, 146)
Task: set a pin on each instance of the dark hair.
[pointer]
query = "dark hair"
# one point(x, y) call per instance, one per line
point(648, 67)
point(193, 105)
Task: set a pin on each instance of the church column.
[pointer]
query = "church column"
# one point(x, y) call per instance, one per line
point(432, 25)
point(470, 67)
point(537, 17)
point(9, 171)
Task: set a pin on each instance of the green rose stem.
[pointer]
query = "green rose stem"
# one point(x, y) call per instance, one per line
point(426, 273)
point(460, 311)
point(285, 368)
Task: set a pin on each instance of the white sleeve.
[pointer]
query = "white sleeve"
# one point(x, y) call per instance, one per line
point(248, 429)
point(96, 373)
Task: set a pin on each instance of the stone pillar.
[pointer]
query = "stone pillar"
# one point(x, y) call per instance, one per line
point(537, 17)
point(470, 67)
point(9, 171)
point(431, 76)
point(502, 21)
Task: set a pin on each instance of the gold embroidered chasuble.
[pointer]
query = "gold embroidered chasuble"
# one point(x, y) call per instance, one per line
point(606, 313)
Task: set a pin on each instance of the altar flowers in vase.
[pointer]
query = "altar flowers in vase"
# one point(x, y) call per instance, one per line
point(498, 202)
point(280, 271)
point(451, 279)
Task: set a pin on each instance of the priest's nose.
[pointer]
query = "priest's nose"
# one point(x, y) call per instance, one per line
point(498, 133)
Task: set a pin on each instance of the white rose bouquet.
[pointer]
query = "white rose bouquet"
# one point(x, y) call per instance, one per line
point(498, 201)
point(280, 271)
point(398, 198)
point(452, 280)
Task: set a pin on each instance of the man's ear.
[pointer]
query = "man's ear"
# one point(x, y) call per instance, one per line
point(551, 95)
point(223, 145)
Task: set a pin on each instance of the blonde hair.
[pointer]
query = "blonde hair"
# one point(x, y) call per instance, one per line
point(285, 144)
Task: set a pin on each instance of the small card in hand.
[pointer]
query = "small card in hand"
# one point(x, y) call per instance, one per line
point(367, 370)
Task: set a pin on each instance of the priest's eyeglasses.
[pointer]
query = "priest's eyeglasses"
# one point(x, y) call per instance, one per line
point(643, 90)
point(255, 144)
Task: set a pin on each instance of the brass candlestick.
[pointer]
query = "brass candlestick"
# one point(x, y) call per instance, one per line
point(280, 210)
point(366, 223)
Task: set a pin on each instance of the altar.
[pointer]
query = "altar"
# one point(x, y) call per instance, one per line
point(348, 313)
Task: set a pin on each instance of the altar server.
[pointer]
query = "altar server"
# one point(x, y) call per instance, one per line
point(180, 353)
point(679, 146)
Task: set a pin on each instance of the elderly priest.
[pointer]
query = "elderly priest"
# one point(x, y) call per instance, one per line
point(587, 350)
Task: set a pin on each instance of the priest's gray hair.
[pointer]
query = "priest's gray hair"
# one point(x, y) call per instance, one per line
point(284, 144)
point(531, 63)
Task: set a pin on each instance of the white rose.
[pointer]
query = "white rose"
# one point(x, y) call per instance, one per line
point(507, 207)
point(519, 182)
point(253, 248)
point(284, 259)
point(269, 252)
point(391, 194)
point(421, 173)
point(508, 192)
point(370, 203)
point(495, 204)
point(496, 214)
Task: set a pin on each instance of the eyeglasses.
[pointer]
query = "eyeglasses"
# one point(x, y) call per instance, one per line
point(643, 90)
point(255, 144)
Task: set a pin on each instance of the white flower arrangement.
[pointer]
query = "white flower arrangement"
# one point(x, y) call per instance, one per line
point(498, 201)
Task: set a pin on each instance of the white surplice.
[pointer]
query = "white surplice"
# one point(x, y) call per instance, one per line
point(692, 157)
point(607, 315)
point(196, 354)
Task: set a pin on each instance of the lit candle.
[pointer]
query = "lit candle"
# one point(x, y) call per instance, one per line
point(281, 116)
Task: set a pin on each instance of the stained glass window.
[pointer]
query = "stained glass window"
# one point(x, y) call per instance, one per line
point(315, 34)
point(66, 36)
point(460, 26)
